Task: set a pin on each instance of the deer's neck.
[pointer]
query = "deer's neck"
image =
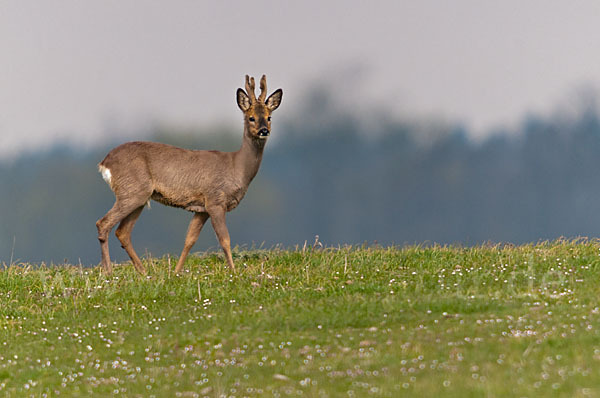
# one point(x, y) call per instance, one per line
point(247, 159)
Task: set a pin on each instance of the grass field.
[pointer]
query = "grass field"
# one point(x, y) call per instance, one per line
point(491, 321)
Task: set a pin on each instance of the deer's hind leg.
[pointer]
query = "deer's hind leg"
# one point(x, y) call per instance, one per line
point(123, 233)
point(123, 207)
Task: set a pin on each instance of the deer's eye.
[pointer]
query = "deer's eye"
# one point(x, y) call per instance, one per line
point(251, 119)
point(269, 118)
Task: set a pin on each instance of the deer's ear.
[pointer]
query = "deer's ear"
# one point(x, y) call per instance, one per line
point(243, 100)
point(274, 100)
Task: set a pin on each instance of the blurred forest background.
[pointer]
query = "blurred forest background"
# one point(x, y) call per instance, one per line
point(349, 175)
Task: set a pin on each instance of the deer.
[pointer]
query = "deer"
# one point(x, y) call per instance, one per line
point(206, 183)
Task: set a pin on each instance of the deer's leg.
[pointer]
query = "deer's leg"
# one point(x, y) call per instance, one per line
point(105, 225)
point(217, 217)
point(192, 236)
point(123, 233)
point(118, 212)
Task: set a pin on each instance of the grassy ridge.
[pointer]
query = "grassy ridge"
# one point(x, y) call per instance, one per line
point(483, 321)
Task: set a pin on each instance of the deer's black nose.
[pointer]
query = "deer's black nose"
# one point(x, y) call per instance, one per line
point(263, 132)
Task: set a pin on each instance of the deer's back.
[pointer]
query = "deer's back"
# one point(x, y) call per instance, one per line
point(174, 176)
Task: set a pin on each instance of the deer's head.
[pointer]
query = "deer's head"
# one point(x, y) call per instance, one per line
point(257, 111)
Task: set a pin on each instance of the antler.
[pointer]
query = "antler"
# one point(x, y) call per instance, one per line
point(250, 89)
point(263, 89)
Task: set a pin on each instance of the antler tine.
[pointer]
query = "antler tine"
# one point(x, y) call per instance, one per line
point(263, 89)
point(250, 88)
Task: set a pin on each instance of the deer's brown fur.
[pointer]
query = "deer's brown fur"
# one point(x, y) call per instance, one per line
point(208, 183)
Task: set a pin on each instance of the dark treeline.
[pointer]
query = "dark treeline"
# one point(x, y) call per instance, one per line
point(336, 176)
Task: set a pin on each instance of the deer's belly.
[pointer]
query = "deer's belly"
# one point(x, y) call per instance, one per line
point(195, 205)
point(228, 200)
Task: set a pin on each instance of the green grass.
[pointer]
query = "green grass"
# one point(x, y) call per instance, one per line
point(487, 321)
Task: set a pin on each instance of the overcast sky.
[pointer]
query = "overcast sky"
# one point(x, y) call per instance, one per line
point(74, 69)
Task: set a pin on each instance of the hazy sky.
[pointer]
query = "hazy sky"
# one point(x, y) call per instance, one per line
point(75, 69)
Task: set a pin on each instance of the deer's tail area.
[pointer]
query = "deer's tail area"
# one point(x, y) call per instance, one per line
point(106, 174)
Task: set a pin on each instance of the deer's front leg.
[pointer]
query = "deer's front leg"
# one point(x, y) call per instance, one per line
point(217, 217)
point(192, 236)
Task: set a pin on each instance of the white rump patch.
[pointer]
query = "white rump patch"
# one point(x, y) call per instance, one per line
point(106, 174)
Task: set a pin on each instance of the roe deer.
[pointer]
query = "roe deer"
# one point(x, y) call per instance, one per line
point(208, 183)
